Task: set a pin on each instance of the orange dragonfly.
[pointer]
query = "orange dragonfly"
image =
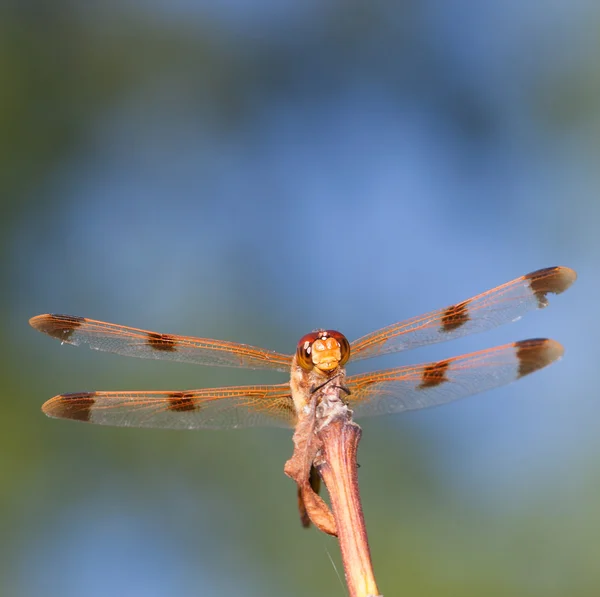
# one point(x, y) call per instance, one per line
point(320, 357)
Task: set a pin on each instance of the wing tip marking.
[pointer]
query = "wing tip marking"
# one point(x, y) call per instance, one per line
point(536, 354)
point(77, 406)
point(57, 326)
point(550, 279)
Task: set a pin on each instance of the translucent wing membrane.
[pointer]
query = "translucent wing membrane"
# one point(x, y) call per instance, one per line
point(485, 311)
point(134, 342)
point(421, 386)
point(221, 408)
point(380, 392)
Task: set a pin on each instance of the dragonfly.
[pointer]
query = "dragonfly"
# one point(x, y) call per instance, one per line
point(321, 357)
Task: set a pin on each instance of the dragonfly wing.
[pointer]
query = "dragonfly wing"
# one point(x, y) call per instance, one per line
point(422, 386)
point(485, 311)
point(134, 342)
point(211, 408)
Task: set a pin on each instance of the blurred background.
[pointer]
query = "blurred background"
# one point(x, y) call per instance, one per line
point(251, 171)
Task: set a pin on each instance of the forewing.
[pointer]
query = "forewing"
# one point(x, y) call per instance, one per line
point(485, 311)
point(211, 408)
point(134, 342)
point(421, 386)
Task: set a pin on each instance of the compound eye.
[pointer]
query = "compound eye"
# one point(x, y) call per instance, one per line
point(325, 350)
point(305, 349)
point(344, 345)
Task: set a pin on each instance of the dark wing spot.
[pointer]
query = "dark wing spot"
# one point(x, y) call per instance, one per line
point(536, 353)
point(434, 375)
point(76, 406)
point(550, 279)
point(57, 326)
point(455, 316)
point(162, 342)
point(181, 402)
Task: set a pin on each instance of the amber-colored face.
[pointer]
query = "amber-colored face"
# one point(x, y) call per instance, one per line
point(324, 349)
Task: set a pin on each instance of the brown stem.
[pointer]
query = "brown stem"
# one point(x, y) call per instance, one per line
point(327, 439)
point(338, 468)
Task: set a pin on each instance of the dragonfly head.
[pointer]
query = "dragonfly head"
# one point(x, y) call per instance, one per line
point(325, 350)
